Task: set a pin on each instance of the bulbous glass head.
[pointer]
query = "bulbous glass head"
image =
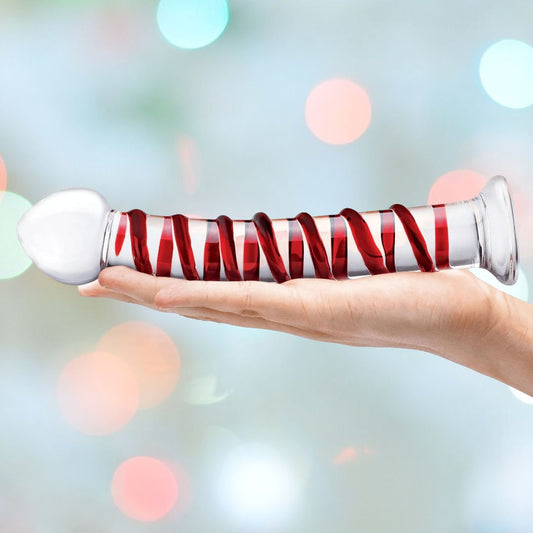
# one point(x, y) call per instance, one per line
point(63, 234)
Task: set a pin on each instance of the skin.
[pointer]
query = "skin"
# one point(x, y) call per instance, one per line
point(452, 313)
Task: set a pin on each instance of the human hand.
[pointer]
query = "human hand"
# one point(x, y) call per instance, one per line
point(445, 312)
point(450, 313)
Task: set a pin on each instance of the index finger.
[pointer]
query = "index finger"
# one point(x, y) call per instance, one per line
point(268, 300)
point(142, 287)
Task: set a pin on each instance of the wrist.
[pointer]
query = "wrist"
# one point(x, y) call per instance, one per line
point(490, 332)
point(466, 320)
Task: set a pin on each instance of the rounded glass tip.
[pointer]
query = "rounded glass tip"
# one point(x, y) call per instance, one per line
point(63, 235)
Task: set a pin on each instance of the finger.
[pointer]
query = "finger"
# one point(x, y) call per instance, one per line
point(202, 313)
point(268, 300)
point(95, 290)
point(90, 289)
point(137, 285)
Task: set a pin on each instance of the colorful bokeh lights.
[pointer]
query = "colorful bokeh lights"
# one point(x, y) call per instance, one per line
point(150, 354)
point(3, 177)
point(144, 488)
point(506, 72)
point(455, 186)
point(13, 260)
point(118, 417)
point(98, 393)
point(192, 24)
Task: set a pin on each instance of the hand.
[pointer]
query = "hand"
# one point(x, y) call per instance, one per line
point(426, 311)
point(451, 313)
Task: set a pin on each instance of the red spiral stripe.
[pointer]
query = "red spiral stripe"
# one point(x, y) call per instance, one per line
point(227, 247)
point(139, 247)
point(441, 237)
point(296, 250)
point(416, 239)
point(211, 253)
point(269, 245)
point(121, 232)
point(259, 235)
point(250, 253)
point(317, 250)
point(183, 242)
point(364, 241)
point(339, 247)
point(388, 237)
point(166, 249)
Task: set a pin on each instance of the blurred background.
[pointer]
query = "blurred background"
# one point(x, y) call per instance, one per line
point(116, 418)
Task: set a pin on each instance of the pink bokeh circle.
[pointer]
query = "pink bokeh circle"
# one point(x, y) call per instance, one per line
point(144, 489)
point(338, 111)
point(457, 185)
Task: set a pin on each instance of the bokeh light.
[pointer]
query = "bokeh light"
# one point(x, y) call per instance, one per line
point(506, 72)
point(346, 455)
point(3, 177)
point(257, 486)
point(144, 489)
point(457, 185)
point(152, 356)
point(192, 23)
point(203, 391)
point(338, 111)
point(13, 259)
point(97, 393)
point(350, 454)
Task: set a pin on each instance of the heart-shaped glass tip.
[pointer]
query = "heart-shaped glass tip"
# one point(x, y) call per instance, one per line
point(63, 234)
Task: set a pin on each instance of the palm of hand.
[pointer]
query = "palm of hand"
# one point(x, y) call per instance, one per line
point(409, 309)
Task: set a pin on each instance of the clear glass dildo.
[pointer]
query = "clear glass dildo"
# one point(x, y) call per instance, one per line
point(71, 235)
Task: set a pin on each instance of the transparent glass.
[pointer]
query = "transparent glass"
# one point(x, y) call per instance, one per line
point(73, 234)
point(475, 233)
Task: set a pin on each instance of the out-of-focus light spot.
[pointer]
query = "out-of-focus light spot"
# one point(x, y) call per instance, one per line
point(522, 396)
point(188, 158)
point(519, 290)
point(346, 455)
point(144, 489)
point(455, 186)
point(152, 356)
point(192, 23)
point(257, 487)
point(203, 391)
point(13, 260)
point(506, 72)
point(338, 111)
point(97, 393)
point(350, 453)
point(3, 177)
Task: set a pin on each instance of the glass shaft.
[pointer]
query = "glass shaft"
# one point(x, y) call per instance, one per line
point(341, 246)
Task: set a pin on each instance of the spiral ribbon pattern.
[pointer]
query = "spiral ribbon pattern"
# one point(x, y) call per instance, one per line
point(220, 252)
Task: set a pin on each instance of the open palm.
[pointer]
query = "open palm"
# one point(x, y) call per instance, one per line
point(408, 309)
